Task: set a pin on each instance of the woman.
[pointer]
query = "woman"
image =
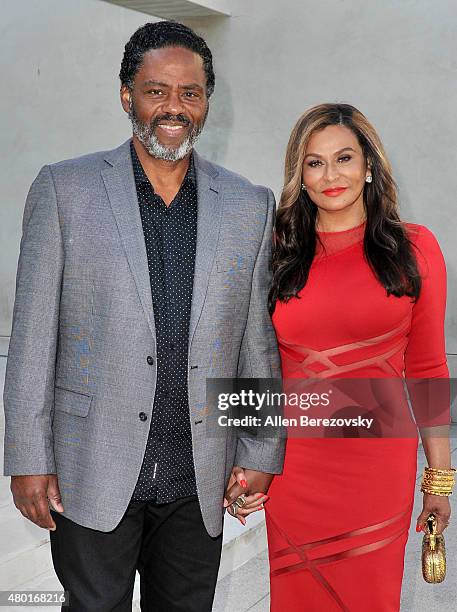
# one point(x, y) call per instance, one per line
point(356, 294)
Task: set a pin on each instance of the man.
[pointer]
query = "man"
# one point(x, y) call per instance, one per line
point(143, 271)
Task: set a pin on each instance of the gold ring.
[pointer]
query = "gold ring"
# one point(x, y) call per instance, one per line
point(240, 501)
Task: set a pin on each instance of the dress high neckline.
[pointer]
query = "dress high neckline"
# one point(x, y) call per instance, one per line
point(329, 243)
point(351, 229)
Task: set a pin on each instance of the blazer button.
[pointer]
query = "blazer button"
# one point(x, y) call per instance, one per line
point(143, 416)
point(150, 360)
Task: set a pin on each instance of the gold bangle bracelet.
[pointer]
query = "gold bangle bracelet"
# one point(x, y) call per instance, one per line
point(433, 483)
point(450, 471)
point(440, 494)
point(445, 483)
point(436, 481)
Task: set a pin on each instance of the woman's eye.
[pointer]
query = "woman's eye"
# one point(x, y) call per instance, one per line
point(344, 158)
point(314, 163)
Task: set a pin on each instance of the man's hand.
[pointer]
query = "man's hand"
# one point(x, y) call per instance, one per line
point(254, 485)
point(32, 495)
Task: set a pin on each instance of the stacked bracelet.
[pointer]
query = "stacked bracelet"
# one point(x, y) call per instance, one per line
point(438, 482)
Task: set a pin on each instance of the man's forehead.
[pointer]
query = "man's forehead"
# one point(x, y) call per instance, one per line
point(178, 56)
point(171, 64)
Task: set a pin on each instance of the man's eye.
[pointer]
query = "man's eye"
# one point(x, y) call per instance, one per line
point(190, 94)
point(314, 163)
point(155, 92)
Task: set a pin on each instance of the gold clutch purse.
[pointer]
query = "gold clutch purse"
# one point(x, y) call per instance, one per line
point(433, 554)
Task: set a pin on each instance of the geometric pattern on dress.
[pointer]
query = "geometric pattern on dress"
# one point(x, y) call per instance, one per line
point(324, 358)
point(399, 522)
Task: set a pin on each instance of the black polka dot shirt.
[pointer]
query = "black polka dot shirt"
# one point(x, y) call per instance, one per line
point(170, 235)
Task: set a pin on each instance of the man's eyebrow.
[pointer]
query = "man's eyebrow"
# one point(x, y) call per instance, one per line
point(337, 153)
point(192, 86)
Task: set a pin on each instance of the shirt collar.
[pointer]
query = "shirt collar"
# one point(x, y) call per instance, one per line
point(140, 174)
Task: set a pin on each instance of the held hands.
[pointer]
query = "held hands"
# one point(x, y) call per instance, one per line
point(437, 505)
point(32, 496)
point(254, 485)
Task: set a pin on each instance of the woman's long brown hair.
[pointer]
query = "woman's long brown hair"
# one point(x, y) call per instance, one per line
point(387, 248)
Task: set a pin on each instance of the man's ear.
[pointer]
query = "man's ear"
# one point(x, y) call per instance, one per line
point(126, 96)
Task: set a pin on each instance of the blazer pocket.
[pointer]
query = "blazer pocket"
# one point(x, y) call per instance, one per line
point(72, 402)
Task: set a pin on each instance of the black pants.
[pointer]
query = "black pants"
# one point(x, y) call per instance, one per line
point(169, 546)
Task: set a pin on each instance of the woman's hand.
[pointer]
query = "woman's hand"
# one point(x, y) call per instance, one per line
point(439, 506)
point(254, 502)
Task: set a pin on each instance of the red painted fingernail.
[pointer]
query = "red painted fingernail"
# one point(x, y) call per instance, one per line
point(260, 507)
point(418, 528)
point(244, 484)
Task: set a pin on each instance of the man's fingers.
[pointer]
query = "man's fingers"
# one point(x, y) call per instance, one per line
point(23, 510)
point(32, 494)
point(54, 497)
point(42, 516)
point(235, 491)
point(37, 515)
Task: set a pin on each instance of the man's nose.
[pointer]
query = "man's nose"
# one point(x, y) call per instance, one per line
point(173, 103)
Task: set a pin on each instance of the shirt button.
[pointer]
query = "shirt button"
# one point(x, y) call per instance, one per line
point(143, 416)
point(150, 360)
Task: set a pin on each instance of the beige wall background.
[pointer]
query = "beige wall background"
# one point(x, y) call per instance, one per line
point(395, 60)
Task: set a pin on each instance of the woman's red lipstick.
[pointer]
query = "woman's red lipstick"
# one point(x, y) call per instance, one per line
point(335, 191)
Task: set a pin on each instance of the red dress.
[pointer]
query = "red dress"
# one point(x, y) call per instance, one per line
point(338, 516)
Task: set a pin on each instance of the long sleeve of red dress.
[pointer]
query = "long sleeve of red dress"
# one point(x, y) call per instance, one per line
point(425, 354)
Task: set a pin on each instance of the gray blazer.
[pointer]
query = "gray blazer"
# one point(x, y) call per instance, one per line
point(83, 327)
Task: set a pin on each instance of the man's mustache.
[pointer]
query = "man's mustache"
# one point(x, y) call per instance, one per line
point(168, 117)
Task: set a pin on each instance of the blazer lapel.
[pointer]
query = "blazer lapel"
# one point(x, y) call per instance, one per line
point(120, 186)
point(208, 226)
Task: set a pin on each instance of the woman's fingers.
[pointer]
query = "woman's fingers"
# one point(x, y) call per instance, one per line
point(240, 477)
point(254, 501)
point(440, 507)
point(442, 521)
point(237, 485)
point(240, 518)
point(253, 504)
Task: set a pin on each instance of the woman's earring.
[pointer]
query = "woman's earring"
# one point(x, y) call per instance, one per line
point(303, 187)
point(369, 179)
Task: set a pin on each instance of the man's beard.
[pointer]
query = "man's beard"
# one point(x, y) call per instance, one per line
point(145, 132)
